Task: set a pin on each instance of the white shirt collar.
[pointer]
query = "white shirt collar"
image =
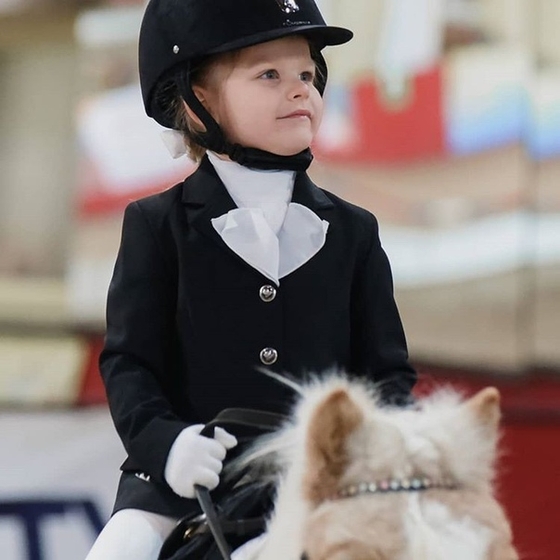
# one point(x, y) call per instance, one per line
point(253, 188)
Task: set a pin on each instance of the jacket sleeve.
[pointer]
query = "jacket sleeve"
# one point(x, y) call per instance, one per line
point(135, 359)
point(380, 350)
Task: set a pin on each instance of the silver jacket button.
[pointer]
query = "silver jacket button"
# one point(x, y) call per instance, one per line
point(268, 356)
point(267, 293)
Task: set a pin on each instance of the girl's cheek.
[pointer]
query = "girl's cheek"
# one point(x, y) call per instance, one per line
point(320, 107)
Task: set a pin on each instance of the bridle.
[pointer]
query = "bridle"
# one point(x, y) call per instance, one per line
point(387, 485)
point(391, 485)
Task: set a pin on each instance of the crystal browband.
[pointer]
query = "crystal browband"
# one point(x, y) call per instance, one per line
point(413, 484)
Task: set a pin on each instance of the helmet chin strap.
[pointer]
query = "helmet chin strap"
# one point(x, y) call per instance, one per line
point(215, 140)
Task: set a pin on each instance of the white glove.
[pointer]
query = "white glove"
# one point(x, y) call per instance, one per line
point(195, 459)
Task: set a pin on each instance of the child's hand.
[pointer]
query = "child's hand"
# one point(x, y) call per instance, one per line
point(195, 459)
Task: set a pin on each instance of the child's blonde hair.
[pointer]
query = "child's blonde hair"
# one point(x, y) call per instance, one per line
point(169, 96)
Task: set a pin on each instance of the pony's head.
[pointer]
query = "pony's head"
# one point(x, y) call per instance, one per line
point(368, 482)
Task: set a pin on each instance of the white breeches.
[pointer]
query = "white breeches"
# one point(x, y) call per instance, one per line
point(132, 534)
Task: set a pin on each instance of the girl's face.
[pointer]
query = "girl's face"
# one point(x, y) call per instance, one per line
point(264, 96)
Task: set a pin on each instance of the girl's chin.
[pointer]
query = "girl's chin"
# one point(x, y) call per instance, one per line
point(289, 153)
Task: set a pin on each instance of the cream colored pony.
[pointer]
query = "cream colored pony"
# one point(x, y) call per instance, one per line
point(357, 481)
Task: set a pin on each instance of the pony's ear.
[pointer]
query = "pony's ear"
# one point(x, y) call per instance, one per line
point(334, 419)
point(485, 406)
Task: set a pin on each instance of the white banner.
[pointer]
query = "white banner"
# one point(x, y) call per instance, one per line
point(59, 476)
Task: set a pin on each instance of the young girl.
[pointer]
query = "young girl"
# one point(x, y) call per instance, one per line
point(246, 264)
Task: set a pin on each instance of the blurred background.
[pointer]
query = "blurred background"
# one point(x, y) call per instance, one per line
point(443, 118)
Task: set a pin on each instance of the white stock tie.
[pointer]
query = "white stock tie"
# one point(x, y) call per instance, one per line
point(247, 232)
point(267, 231)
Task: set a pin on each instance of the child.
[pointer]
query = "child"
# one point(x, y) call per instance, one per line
point(246, 264)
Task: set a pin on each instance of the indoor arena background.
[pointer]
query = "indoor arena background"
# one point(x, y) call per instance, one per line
point(443, 118)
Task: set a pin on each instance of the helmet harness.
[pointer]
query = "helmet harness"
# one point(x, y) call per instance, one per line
point(177, 33)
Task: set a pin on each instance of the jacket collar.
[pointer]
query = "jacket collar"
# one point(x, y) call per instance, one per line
point(206, 197)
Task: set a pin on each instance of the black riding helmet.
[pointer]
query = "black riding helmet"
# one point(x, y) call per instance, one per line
point(177, 34)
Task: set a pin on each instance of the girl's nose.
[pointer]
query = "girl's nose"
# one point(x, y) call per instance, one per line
point(298, 88)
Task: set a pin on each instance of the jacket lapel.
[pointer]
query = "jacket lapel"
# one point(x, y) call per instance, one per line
point(308, 194)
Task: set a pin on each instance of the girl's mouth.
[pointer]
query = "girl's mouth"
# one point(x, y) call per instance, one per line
point(298, 114)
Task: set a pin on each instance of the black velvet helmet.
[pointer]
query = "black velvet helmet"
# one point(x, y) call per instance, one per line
point(177, 33)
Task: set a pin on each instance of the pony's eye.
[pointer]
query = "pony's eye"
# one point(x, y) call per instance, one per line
point(304, 556)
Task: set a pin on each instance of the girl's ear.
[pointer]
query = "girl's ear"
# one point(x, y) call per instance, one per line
point(334, 420)
point(202, 95)
point(485, 406)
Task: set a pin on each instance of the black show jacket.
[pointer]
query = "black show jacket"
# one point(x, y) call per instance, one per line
point(186, 324)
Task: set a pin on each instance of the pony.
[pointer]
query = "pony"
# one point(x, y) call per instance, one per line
point(356, 480)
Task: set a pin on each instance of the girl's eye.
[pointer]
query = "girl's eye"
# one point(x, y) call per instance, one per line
point(269, 75)
point(307, 77)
